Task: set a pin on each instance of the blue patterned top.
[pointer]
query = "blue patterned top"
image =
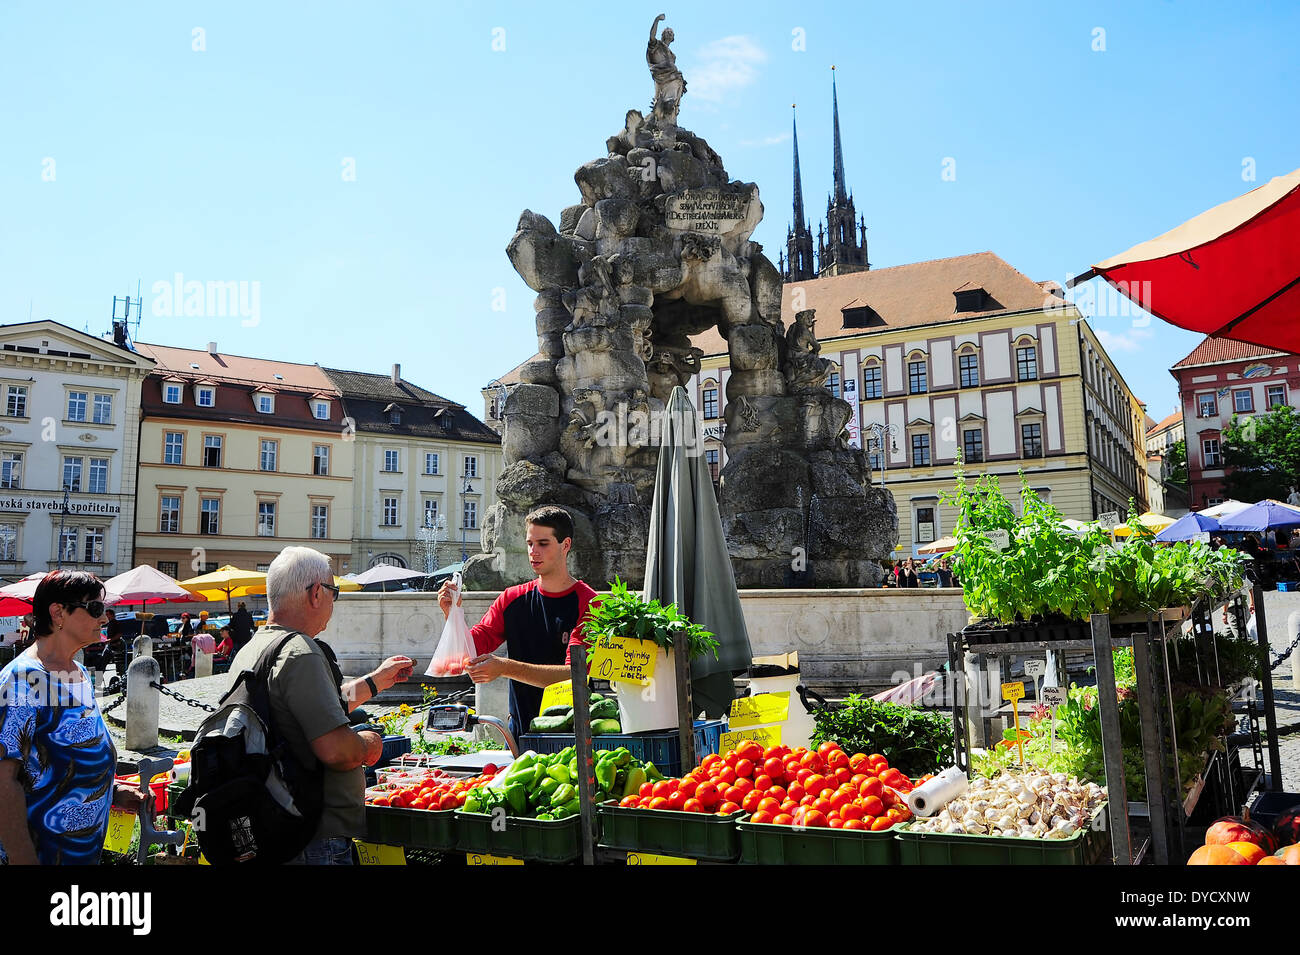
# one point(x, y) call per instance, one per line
point(66, 760)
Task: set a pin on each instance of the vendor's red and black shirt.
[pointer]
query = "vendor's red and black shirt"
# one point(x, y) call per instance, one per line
point(536, 627)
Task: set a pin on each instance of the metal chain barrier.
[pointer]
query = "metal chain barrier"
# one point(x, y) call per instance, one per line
point(105, 710)
point(183, 699)
point(1285, 654)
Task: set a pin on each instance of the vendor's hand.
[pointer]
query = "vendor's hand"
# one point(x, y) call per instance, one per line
point(129, 797)
point(393, 670)
point(446, 593)
point(486, 668)
point(374, 744)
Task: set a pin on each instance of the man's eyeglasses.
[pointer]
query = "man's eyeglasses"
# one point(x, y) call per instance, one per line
point(93, 607)
point(330, 587)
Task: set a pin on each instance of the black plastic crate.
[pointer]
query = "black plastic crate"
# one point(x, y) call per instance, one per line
point(1269, 805)
point(1027, 633)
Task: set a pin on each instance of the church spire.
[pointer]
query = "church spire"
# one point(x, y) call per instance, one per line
point(799, 264)
point(798, 182)
point(840, 192)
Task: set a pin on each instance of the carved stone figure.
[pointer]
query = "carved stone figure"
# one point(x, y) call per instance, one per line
point(804, 370)
point(670, 85)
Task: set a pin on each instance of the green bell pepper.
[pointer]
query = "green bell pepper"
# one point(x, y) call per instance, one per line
point(560, 773)
point(636, 778)
point(651, 773)
point(565, 755)
point(563, 794)
point(525, 762)
point(472, 801)
point(545, 816)
point(606, 772)
point(517, 798)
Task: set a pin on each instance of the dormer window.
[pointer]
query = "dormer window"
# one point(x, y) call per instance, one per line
point(970, 299)
point(205, 396)
point(265, 402)
point(321, 409)
point(172, 393)
point(861, 316)
point(443, 415)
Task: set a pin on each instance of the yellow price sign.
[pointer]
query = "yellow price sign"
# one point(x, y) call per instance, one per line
point(482, 858)
point(624, 661)
point(370, 853)
point(1013, 691)
point(766, 736)
point(646, 858)
point(203, 860)
point(121, 827)
point(557, 694)
point(760, 708)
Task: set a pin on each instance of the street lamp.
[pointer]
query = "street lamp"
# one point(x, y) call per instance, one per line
point(494, 387)
point(63, 514)
point(879, 431)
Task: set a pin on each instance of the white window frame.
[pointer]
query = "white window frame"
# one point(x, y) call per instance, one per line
point(93, 535)
point(165, 525)
point(1207, 454)
point(320, 517)
point(76, 473)
point(1213, 399)
point(204, 510)
point(8, 460)
point(211, 394)
point(265, 403)
point(105, 402)
point(320, 463)
point(391, 511)
point(469, 515)
point(90, 476)
point(80, 400)
point(436, 460)
point(430, 506)
point(319, 405)
point(266, 518)
point(471, 466)
point(933, 507)
point(880, 381)
point(393, 457)
point(1268, 391)
point(263, 453)
point(16, 401)
point(1237, 395)
point(68, 539)
point(171, 388)
point(219, 447)
point(9, 535)
point(178, 446)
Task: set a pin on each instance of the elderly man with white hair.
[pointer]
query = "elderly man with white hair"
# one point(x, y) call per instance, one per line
point(309, 706)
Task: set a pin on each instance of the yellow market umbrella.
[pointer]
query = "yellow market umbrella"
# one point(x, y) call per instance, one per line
point(345, 585)
point(228, 581)
point(1157, 523)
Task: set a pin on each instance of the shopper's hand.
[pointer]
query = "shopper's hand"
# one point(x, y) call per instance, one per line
point(129, 797)
point(393, 670)
point(486, 668)
point(374, 744)
point(446, 593)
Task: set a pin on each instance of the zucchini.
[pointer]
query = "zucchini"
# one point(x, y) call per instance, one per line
point(605, 710)
point(605, 727)
point(557, 710)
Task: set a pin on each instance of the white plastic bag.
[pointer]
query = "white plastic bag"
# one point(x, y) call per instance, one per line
point(456, 646)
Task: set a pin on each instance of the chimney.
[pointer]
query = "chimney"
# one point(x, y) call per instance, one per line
point(212, 348)
point(397, 374)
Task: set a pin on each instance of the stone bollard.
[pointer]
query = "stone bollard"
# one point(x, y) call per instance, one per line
point(203, 647)
point(1292, 629)
point(142, 646)
point(142, 702)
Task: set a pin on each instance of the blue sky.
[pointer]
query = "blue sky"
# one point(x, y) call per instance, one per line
point(1076, 131)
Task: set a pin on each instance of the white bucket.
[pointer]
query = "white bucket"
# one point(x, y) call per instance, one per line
point(798, 727)
point(643, 709)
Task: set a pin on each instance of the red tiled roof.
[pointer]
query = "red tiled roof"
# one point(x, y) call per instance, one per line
point(1165, 424)
point(1213, 350)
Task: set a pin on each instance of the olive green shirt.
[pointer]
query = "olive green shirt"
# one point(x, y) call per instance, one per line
point(305, 705)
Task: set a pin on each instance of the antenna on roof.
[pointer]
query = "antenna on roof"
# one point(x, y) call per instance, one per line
point(121, 325)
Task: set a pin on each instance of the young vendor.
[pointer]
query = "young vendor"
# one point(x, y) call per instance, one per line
point(532, 619)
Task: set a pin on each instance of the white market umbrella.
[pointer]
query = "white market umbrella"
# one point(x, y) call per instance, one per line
point(1226, 509)
point(147, 585)
point(385, 574)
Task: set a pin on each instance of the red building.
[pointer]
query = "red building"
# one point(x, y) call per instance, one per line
point(1219, 379)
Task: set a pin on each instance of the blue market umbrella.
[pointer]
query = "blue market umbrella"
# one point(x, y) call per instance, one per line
point(1264, 516)
point(1188, 527)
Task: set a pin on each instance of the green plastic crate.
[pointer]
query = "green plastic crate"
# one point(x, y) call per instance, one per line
point(690, 835)
point(762, 843)
point(1086, 847)
point(533, 840)
point(414, 828)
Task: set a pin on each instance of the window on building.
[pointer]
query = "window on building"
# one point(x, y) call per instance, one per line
point(833, 384)
point(320, 521)
point(872, 387)
point(969, 366)
point(172, 393)
point(11, 469)
point(1211, 502)
point(392, 461)
point(710, 402)
point(924, 524)
point(98, 476)
point(430, 512)
point(8, 541)
point(917, 379)
point(68, 543)
point(920, 450)
point(1026, 363)
point(206, 397)
point(1206, 406)
point(269, 451)
point(1276, 396)
point(471, 467)
point(973, 445)
point(321, 409)
point(103, 409)
point(1031, 440)
point(1243, 400)
point(169, 515)
point(390, 512)
point(266, 518)
point(76, 406)
point(711, 459)
point(1210, 453)
point(430, 462)
point(395, 416)
point(72, 473)
point(266, 404)
point(210, 516)
point(212, 450)
point(174, 447)
point(169, 567)
point(471, 515)
point(874, 458)
point(16, 401)
point(93, 547)
point(320, 459)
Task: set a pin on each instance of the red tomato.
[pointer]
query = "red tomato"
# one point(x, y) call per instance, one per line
point(732, 794)
point(727, 808)
point(761, 817)
point(842, 775)
point(744, 784)
point(744, 767)
point(872, 806)
point(881, 824)
point(731, 759)
point(661, 788)
point(783, 819)
point(710, 761)
point(797, 791)
point(768, 805)
point(677, 800)
point(814, 784)
point(837, 758)
point(647, 789)
point(836, 822)
point(693, 805)
point(774, 767)
point(628, 802)
point(828, 747)
point(789, 805)
point(658, 802)
point(751, 800)
point(839, 800)
point(380, 801)
point(727, 776)
point(688, 787)
point(774, 752)
point(707, 794)
point(852, 812)
point(449, 801)
point(859, 762)
point(777, 792)
point(763, 782)
point(853, 824)
point(858, 779)
point(822, 805)
point(815, 820)
point(872, 787)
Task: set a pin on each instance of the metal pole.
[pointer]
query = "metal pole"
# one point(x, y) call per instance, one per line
point(1270, 715)
point(63, 514)
point(1152, 752)
point(1111, 744)
point(685, 711)
point(582, 742)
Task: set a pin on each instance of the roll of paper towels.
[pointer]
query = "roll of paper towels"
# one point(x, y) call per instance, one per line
point(928, 798)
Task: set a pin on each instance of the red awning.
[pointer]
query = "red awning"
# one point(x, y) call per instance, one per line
point(1232, 272)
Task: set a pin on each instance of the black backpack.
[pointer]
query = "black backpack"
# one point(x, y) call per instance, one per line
point(249, 799)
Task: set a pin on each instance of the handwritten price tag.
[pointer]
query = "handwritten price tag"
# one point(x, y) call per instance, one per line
point(370, 853)
point(1013, 691)
point(760, 708)
point(646, 858)
point(624, 661)
point(1000, 538)
point(121, 827)
point(1035, 668)
point(1108, 520)
point(767, 736)
point(558, 694)
point(1054, 696)
point(478, 858)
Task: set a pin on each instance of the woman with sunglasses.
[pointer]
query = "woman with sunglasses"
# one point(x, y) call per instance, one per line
point(57, 760)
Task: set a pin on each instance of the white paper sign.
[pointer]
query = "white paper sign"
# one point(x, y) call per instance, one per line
point(1035, 668)
point(1054, 696)
point(1109, 520)
point(1000, 539)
